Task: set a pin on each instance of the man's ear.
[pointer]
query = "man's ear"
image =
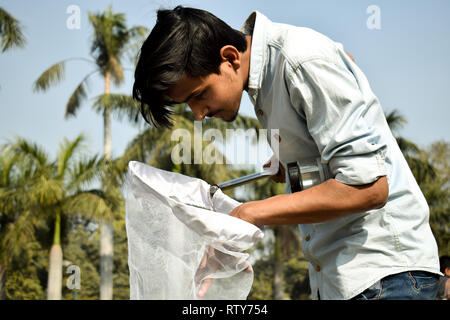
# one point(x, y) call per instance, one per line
point(232, 55)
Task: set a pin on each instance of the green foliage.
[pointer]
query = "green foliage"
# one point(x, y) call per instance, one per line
point(295, 278)
point(82, 250)
point(121, 273)
point(11, 34)
point(53, 75)
point(437, 192)
point(263, 280)
point(111, 37)
point(26, 276)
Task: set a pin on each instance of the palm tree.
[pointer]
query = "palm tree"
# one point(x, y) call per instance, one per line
point(55, 189)
point(11, 34)
point(10, 31)
point(111, 41)
point(15, 230)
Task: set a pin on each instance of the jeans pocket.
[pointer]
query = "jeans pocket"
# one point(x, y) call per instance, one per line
point(423, 279)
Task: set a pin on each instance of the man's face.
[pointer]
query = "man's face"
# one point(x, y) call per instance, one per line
point(216, 95)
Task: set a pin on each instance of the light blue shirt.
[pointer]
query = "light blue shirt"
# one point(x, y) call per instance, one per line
point(304, 84)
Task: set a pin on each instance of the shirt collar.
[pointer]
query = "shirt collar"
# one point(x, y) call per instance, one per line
point(256, 25)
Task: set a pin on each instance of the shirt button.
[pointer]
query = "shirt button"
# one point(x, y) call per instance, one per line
point(308, 237)
point(259, 112)
point(317, 268)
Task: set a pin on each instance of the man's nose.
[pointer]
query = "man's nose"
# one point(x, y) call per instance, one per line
point(200, 112)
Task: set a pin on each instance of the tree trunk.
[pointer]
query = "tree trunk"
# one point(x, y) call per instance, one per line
point(278, 290)
point(2, 281)
point(54, 284)
point(106, 227)
point(106, 261)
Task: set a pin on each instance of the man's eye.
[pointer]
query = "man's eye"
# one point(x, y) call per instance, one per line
point(200, 95)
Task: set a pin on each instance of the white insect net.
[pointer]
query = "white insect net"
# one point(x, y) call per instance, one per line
point(178, 237)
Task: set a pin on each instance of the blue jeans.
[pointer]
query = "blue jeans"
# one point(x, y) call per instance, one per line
point(410, 285)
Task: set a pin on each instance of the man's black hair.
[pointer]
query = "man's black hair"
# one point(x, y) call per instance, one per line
point(184, 41)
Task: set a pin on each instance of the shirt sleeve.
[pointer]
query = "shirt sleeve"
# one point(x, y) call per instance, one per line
point(329, 99)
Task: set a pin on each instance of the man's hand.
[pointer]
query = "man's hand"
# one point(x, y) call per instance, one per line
point(209, 253)
point(280, 177)
point(211, 262)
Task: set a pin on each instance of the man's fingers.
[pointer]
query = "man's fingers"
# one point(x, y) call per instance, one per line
point(209, 252)
point(280, 176)
point(204, 259)
point(204, 287)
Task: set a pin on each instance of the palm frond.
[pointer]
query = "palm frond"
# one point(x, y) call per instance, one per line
point(50, 77)
point(407, 147)
point(10, 31)
point(7, 160)
point(121, 105)
point(137, 35)
point(16, 236)
point(423, 170)
point(395, 120)
point(138, 32)
point(110, 37)
point(75, 100)
point(92, 204)
point(78, 96)
point(45, 192)
point(31, 151)
point(84, 172)
point(66, 151)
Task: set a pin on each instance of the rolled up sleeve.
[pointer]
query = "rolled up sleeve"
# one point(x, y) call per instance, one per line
point(329, 99)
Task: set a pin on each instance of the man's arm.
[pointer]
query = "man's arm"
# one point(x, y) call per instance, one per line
point(327, 201)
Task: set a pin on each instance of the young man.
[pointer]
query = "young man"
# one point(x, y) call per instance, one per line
point(365, 231)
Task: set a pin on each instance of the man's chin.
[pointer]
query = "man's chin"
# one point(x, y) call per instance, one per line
point(232, 118)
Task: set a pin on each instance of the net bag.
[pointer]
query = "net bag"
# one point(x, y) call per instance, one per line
point(179, 237)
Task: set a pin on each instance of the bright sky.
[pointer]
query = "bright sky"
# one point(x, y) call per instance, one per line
point(406, 60)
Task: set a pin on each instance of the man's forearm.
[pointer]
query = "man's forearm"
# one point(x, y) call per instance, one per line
point(327, 201)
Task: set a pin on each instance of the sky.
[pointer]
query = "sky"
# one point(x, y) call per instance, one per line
point(406, 60)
